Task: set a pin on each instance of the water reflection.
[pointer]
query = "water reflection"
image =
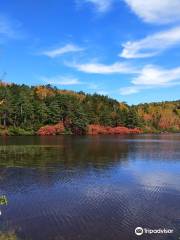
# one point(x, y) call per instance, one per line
point(90, 187)
point(65, 152)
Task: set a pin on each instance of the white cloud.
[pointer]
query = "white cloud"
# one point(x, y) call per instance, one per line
point(151, 45)
point(69, 48)
point(156, 11)
point(151, 11)
point(153, 77)
point(98, 68)
point(100, 5)
point(61, 80)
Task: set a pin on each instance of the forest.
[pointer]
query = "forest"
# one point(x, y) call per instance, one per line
point(46, 110)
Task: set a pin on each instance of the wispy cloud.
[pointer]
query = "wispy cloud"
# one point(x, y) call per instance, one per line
point(61, 80)
point(153, 77)
point(9, 28)
point(98, 68)
point(100, 5)
point(129, 90)
point(151, 45)
point(156, 11)
point(151, 11)
point(68, 48)
point(66, 81)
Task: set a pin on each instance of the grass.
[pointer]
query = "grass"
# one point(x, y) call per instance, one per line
point(8, 236)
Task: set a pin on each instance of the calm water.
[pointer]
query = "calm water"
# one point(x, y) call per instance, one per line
point(90, 188)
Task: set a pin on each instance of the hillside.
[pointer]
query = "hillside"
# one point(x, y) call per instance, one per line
point(163, 116)
point(47, 110)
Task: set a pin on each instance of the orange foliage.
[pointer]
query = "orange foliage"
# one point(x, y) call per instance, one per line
point(43, 92)
point(147, 117)
point(123, 106)
point(160, 116)
point(68, 92)
point(167, 120)
point(51, 129)
point(98, 129)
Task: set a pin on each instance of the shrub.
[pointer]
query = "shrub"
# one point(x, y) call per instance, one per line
point(51, 130)
point(17, 131)
point(99, 129)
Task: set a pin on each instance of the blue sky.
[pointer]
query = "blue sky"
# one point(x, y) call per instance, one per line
point(127, 49)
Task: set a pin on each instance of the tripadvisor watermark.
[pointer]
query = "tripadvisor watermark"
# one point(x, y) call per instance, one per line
point(140, 231)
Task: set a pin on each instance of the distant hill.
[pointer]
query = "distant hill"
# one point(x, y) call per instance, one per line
point(162, 116)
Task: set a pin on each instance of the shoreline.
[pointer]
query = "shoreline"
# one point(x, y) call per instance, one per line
point(112, 134)
point(90, 130)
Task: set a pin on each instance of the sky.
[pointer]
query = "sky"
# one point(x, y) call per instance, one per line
point(126, 49)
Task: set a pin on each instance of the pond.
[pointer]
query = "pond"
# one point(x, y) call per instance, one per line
point(90, 187)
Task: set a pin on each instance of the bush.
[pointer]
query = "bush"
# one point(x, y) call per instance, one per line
point(17, 131)
point(51, 130)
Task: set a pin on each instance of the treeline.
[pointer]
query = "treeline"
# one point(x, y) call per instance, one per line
point(24, 110)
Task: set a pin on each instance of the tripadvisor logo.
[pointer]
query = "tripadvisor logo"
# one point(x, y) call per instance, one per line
point(140, 231)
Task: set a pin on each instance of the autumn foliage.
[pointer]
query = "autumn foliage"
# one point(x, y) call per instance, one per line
point(93, 129)
point(79, 96)
point(163, 116)
point(98, 129)
point(25, 109)
point(51, 129)
point(43, 92)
